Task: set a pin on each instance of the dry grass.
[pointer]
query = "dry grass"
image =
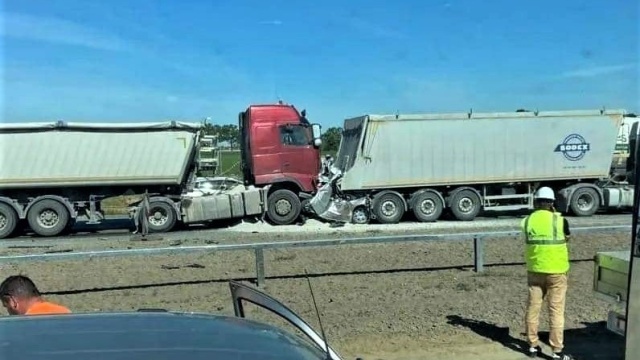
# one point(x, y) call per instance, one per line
point(117, 205)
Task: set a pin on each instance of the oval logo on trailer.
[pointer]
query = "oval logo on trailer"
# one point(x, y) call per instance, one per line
point(573, 147)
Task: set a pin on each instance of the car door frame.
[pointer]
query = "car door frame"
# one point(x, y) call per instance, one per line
point(240, 292)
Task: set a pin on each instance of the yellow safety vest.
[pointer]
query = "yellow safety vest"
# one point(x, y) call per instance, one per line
point(546, 246)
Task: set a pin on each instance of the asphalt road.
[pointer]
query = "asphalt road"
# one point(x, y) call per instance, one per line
point(311, 230)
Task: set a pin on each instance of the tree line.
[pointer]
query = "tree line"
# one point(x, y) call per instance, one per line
point(227, 133)
point(230, 134)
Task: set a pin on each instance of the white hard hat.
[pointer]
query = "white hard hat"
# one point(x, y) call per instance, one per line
point(545, 193)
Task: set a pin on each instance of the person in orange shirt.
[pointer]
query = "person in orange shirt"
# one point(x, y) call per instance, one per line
point(20, 296)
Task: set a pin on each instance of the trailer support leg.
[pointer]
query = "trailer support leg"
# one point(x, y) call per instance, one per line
point(93, 218)
point(259, 267)
point(478, 254)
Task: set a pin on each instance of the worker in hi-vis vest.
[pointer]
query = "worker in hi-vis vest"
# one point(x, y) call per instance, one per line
point(546, 233)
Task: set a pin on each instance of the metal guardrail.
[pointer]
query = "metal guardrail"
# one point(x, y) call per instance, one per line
point(477, 237)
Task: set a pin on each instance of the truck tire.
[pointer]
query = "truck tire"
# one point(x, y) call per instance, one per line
point(48, 217)
point(427, 206)
point(389, 208)
point(8, 220)
point(465, 205)
point(585, 201)
point(283, 207)
point(162, 217)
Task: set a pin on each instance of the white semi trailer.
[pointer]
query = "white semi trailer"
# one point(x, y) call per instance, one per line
point(471, 162)
point(54, 175)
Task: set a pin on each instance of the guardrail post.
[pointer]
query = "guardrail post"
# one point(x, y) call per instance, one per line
point(259, 267)
point(478, 254)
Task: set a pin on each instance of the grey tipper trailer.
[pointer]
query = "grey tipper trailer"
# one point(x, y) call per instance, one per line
point(468, 162)
point(54, 175)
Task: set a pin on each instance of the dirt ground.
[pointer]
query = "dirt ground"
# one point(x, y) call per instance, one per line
point(388, 301)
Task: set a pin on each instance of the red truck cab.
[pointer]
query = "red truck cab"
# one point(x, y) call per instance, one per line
point(281, 148)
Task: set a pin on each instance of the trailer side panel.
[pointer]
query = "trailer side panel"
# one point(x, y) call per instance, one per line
point(95, 155)
point(451, 149)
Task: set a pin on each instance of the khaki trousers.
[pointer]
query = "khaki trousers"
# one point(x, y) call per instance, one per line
point(553, 288)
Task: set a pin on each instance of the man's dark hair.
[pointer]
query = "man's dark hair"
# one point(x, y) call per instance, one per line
point(19, 286)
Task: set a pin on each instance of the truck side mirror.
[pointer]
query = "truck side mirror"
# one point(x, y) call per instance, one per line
point(317, 135)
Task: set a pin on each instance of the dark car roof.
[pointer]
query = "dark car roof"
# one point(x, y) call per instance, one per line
point(148, 335)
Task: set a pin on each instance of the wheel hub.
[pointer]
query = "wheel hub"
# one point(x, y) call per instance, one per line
point(388, 208)
point(3, 221)
point(283, 207)
point(427, 207)
point(360, 216)
point(48, 218)
point(465, 205)
point(585, 202)
point(158, 218)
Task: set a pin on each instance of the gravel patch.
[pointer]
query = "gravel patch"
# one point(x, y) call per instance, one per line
point(505, 222)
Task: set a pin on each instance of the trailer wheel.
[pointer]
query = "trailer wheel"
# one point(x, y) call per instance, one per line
point(48, 217)
point(360, 215)
point(8, 220)
point(283, 207)
point(162, 217)
point(427, 206)
point(585, 201)
point(465, 205)
point(389, 208)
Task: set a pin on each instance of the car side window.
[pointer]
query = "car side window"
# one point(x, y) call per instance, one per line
point(295, 135)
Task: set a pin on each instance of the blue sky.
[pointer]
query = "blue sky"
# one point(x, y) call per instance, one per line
point(124, 60)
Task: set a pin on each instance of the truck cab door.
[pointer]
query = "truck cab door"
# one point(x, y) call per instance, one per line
point(299, 159)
